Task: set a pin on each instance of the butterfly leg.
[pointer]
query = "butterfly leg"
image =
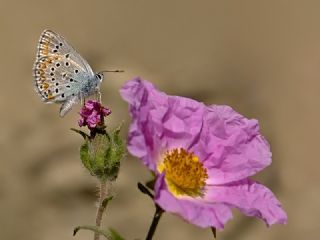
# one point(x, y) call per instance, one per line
point(98, 95)
point(82, 100)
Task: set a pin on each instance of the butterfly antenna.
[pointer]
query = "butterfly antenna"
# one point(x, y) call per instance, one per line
point(116, 71)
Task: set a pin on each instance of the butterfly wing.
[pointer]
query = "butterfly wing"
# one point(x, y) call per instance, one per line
point(52, 44)
point(67, 105)
point(59, 71)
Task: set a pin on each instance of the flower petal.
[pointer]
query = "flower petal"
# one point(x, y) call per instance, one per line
point(231, 146)
point(251, 198)
point(194, 211)
point(92, 113)
point(159, 122)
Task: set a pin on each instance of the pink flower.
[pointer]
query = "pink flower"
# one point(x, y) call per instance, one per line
point(92, 114)
point(202, 155)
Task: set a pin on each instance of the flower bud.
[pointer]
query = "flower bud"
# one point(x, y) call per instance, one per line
point(102, 153)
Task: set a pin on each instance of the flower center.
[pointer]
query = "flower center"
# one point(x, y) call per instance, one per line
point(184, 173)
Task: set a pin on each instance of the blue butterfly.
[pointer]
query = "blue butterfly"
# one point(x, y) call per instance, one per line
point(61, 75)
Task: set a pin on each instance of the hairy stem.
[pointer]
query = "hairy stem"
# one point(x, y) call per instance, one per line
point(101, 207)
point(155, 221)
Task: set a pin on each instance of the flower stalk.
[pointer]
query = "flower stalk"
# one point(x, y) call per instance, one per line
point(101, 207)
point(155, 221)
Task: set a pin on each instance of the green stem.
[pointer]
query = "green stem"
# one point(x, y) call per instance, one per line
point(155, 221)
point(101, 207)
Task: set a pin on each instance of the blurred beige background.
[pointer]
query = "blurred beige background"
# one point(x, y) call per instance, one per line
point(260, 57)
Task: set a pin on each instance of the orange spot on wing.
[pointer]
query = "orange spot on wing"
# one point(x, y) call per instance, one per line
point(45, 50)
point(50, 97)
point(45, 86)
point(42, 65)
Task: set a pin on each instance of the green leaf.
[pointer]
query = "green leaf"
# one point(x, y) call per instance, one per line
point(83, 134)
point(97, 150)
point(114, 235)
point(93, 229)
point(85, 157)
point(106, 201)
point(114, 154)
point(110, 234)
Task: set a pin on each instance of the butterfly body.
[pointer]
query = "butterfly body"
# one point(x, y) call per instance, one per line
point(61, 75)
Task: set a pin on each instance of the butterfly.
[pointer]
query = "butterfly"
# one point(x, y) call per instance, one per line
point(61, 75)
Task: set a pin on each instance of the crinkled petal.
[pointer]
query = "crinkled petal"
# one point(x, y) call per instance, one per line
point(159, 122)
point(231, 146)
point(251, 198)
point(194, 211)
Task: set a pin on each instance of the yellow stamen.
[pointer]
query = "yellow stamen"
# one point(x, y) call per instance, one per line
point(184, 173)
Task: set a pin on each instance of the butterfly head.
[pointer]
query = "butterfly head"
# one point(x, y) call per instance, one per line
point(99, 76)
